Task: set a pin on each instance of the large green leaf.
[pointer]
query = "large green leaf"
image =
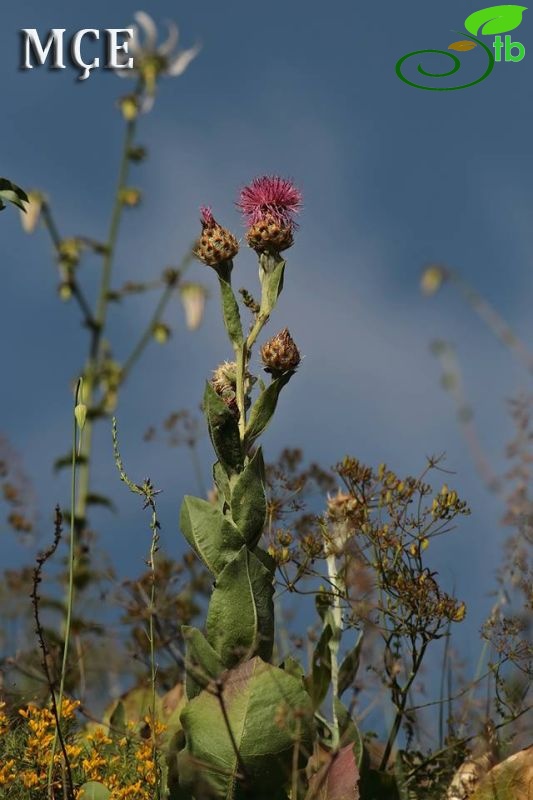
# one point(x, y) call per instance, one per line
point(211, 535)
point(202, 664)
point(236, 746)
point(495, 19)
point(248, 500)
point(230, 311)
point(264, 407)
point(240, 619)
point(223, 430)
point(11, 193)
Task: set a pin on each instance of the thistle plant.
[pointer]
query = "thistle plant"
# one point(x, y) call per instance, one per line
point(231, 723)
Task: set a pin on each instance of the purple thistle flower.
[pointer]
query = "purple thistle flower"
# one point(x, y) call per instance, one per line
point(206, 216)
point(270, 196)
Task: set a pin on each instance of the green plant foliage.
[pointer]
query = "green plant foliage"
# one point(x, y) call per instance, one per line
point(265, 406)
point(496, 19)
point(272, 273)
point(223, 430)
point(11, 193)
point(319, 681)
point(248, 500)
point(94, 790)
point(349, 666)
point(240, 619)
point(253, 762)
point(201, 661)
point(211, 535)
point(230, 311)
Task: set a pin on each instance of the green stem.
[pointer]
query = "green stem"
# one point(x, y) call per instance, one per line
point(100, 319)
point(242, 359)
point(147, 334)
point(70, 593)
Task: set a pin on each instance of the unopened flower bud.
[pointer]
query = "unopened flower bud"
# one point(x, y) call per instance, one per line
point(65, 291)
point(30, 219)
point(130, 196)
point(432, 279)
point(280, 353)
point(161, 332)
point(80, 412)
point(129, 105)
point(193, 298)
point(216, 244)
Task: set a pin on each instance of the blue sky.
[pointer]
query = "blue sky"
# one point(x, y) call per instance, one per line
point(393, 177)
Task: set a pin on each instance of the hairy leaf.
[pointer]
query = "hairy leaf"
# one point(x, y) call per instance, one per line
point(240, 619)
point(211, 535)
point(230, 311)
point(253, 759)
point(223, 430)
point(248, 500)
point(202, 663)
point(264, 407)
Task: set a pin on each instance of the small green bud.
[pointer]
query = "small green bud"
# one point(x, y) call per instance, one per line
point(161, 333)
point(65, 291)
point(130, 196)
point(80, 412)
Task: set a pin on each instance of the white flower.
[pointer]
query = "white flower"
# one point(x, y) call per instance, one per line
point(149, 60)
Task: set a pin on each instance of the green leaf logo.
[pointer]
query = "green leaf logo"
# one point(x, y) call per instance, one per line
point(496, 19)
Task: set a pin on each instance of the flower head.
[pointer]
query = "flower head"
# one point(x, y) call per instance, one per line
point(150, 60)
point(216, 244)
point(280, 353)
point(270, 197)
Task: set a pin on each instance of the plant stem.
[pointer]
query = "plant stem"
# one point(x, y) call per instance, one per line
point(400, 708)
point(334, 643)
point(100, 319)
point(241, 354)
point(147, 334)
point(70, 592)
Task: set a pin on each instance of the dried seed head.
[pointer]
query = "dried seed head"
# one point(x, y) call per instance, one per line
point(268, 235)
point(280, 353)
point(216, 244)
point(224, 382)
point(342, 506)
point(224, 377)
